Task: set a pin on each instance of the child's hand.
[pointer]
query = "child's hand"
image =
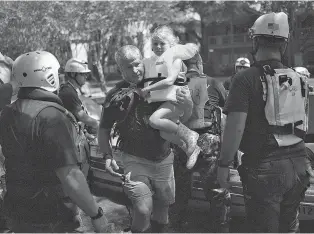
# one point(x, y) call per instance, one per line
point(144, 93)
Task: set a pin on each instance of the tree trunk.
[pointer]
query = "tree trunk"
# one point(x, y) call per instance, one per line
point(204, 46)
point(96, 58)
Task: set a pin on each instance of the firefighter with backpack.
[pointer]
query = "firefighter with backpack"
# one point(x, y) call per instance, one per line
point(267, 121)
point(43, 179)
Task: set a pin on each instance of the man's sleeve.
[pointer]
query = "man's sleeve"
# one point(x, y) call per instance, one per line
point(227, 83)
point(216, 93)
point(56, 134)
point(70, 100)
point(238, 98)
point(110, 114)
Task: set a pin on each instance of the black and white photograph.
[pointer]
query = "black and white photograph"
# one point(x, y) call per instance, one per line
point(156, 116)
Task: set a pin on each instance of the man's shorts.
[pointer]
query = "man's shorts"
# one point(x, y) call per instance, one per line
point(148, 178)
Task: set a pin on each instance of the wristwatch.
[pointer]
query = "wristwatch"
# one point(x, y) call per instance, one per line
point(99, 214)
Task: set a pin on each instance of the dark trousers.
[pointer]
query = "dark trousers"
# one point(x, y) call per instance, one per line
point(219, 199)
point(273, 192)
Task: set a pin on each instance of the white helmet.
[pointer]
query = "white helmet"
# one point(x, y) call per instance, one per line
point(302, 71)
point(37, 69)
point(242, 62)
point(272, 24)
point(76, 65)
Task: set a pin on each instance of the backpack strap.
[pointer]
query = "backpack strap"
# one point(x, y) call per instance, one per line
point(153, 80)
point(287, 128)
point(265, 70)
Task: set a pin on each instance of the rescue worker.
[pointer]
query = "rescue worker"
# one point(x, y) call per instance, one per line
point(76, 72)
point(145, 154)
point(43, 179)
point(240, 64)
point(7, 89)
point(207, 90)
point(275, 167)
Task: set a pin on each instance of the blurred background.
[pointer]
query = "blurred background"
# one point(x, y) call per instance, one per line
point(93, 30)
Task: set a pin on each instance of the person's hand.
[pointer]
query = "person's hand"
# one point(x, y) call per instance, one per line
point(101, 225)
point(183, 97)
point(144, 93)
point(184, 102)
point(112, 167)
point(223, 177)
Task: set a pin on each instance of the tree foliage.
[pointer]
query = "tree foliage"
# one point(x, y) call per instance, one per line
point(103, 26)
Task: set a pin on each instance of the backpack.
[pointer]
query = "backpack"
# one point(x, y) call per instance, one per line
point(81, 142)
point(285, 94)
point(198, 89)
point(80, 139)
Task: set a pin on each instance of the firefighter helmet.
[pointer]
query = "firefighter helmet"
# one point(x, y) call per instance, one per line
point(77, 66)
point(302, 71)
point(37, 69)
point(272, 24)
point(242, 62)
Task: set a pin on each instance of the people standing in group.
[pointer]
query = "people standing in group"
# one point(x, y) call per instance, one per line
point(240, 65)
point(43, 179)
point(145, 154)
point(275, 167)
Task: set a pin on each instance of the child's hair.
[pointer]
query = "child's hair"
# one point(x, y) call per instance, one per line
point(165, 33)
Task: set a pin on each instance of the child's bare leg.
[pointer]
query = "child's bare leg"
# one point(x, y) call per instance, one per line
point(161, 119)
point(164, 119)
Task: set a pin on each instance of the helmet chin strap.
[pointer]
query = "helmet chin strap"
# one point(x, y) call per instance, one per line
point(74, 79)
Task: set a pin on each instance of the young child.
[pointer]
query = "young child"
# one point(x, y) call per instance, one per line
point(170, 66)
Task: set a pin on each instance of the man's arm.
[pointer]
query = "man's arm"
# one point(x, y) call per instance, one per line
point(56, 134)
point(184, 101)
point(104, 141)
point(82, 116)
point(232, 136)
point(75, 186)
point(108, 117)
point(236, 107)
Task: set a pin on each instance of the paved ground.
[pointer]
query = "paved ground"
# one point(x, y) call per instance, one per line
point(113, 203)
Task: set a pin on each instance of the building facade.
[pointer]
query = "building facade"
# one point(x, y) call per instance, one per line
point(228, 41)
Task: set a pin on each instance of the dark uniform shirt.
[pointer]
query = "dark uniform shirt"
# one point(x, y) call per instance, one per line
point(34, 149)
point(136, 135)
point(70, 98)
point(216, 92)
point(227, 83)
point(246, 95)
